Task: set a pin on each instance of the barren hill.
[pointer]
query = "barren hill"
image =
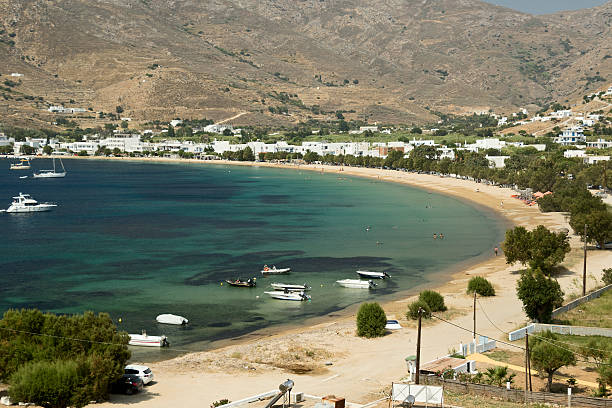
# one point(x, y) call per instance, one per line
point(383, 60)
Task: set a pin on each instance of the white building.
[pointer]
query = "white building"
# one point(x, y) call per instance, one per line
point(571, 136)
point(499, 162)
point(560, 114)
point(5, 141)
point(176, 122)
point(574, 153)
point(595, 159)
point(16, 74)
point(600, 144)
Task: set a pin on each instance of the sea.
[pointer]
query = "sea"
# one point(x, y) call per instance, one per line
point(137, 239)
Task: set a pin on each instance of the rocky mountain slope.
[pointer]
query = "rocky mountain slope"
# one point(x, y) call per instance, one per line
point(379, 60)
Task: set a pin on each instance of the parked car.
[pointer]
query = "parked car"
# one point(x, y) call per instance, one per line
point(144, 372)
point(607, 245)
point(127, 384)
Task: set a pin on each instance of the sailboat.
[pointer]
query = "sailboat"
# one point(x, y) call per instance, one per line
point(51, 173)
point(23, 164)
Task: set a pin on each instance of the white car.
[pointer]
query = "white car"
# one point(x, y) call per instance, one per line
point(141, 371)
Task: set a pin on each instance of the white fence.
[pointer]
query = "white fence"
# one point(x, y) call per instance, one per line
point(423, 394)
point(484, 344)
point(560, 329)
point(574, 303)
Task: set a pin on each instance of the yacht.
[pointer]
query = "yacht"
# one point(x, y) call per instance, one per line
point(287, 295)
point(356, 284)
point(24, 203)
point(51, 173)
point(23, 164)
point(290, 287)
point(373, 275)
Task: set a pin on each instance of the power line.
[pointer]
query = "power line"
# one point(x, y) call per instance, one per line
point(471, 331)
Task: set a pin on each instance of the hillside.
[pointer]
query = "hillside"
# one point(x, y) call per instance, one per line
point(386, 61)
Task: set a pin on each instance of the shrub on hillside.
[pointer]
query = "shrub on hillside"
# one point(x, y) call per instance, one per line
point(413, 310)
point(481, 286)
point(371, 320)
point(434, 300)
point(607, 276)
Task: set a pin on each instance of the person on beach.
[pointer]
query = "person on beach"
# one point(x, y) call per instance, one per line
point(495, 251)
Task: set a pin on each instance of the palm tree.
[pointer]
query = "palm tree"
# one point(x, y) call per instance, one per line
point(499, 376)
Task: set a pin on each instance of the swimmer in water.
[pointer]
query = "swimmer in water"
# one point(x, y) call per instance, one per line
point(435, 236)
point(441, 236)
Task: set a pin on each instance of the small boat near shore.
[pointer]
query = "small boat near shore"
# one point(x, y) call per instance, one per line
point(356, 284)
point(171, 319)
point(274, 270)
point(24, 203)
point(287, 295)
point(144, 340)
point(290, 287)
point(23, 164)
point(249, 283)
point(393, 325)
point(373, 275)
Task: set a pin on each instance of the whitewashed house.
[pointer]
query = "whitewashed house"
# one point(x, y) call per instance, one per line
point(595, 159)
point(498, 162)
point(571, 136)
point(600, 144)
point(574, 153)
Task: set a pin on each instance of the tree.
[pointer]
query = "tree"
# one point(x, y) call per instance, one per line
point(414, 307)
point(343, 126)
point(540, 248)
point(540, 294)
point(481, 286)
point(599, 226)
point(607, 276)
point(124, 124)
point(27, 149)
point(547, 357)
point(116, 151)
point(434, 300)
point(247, 154)
point(310, 157)
point(82, 153)
point(47, 149)
point(371, 320)
point(119, 109)
point(499, 376)
point(170, 131)
point(227, 132)
point(416, 130)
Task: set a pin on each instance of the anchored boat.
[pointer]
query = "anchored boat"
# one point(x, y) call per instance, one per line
point(373, 275)
point(274, 271)
point(24, 203)
point(249, 283)
point(23, 164)
point(145, 340)
point(356, 284)
point(171, 319)
point(51, 173)
point(290, 287)
point(287, 295)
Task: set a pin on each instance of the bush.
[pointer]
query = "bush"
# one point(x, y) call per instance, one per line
point(434, 300)
point(481, 286)
point(413, 310)
point(371, 320)
point(607, 276)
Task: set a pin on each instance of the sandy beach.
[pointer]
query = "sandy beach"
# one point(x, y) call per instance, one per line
point(327, 358)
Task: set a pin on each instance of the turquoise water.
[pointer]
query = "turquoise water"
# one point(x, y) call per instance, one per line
point(139, 239)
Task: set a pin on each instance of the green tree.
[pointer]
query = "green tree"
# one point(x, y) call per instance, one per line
point(540, 294)
point(607, 276)
point(119, 109)
point(27, 149)
point(371, 320)
point(343, 126)
point(227, 132)
point(116, 151)
point(599, 226)
point(481, 286)
point(415, 307)
point(416, 130)
point(82, 153)
point(539, 248)
point(547, 356)
point(170, 131)
point(310, 157)
point(47, 150)
point(124, 124)
point(434, 300)
point(499, 376)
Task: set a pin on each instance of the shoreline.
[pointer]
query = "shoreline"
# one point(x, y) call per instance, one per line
point(264, 360)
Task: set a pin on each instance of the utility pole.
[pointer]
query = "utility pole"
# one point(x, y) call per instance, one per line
point(474, 331)
point(584, 266)
point(528, 358)
point(526, 373)
point(418, 352)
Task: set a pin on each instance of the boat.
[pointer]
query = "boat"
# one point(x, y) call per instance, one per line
point(145, 340)
point(288, 295)
point(171, 319)
point(249, 283)
point(24, 203)
point(373, 275)
point(23, 177)
point(23, 164)
point(356, 284)
point(290, 287)
point(392, 325)
point(274, 271)
point(51, 173)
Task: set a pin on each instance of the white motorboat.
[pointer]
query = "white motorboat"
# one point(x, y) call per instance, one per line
point(23, 164)
point(274, 270)
point(356, 284)
point(24, 203)
point(290, 287)
point(287, 295)
point(145, 340)
point(392, 325)
point(171, 319)
point(51, 173)
point(373, 275)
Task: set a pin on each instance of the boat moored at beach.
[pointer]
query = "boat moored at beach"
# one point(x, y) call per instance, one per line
point(24, 203)
point(274, 270)
point(249, 283)
point(290, 287)
point(171, 319)
point(51, 173)
point(356, 284)
point(22, 164)
point(373, 275)
point(288, 295)
point(393, 325)
point(144, 340)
